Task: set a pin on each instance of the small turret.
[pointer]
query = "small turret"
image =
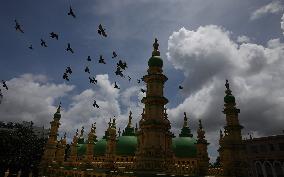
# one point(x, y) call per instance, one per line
point(185, 131)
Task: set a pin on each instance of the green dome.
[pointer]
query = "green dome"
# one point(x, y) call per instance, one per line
point(155, 61)
point(184, 147)
point(229, 99)
point(126, 145)
point(100, 147)
point(81, 149)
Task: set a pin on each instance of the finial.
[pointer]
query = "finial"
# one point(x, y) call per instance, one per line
point(64, 135)
point(227, 85)
point(200, 124)
point(113, 122)
point(156, 48)
point(129, 119)
point(58, 108)
point(185, 120)
point(82, 131)
point(77, 132)
point(109, 123)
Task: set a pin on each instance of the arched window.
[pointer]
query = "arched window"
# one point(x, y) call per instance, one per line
point(268, 169)
point(259, 170)
point(278, 169)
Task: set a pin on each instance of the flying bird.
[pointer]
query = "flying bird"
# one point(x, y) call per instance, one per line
point(138, 80)
point(101, 31)
point(116, 86)
point(87, 70)
point(43, 43)
point(31, 47)
point(129, 78)
point(18, 27)
point(143, 91)
point(102, 60)
point(118, 72)
point(95, 104)
point(65, 76)
point(68, 70)
point(71, 12)
point(121, 64)
point(114, 55)
point(93, 80)
point(180, 87)
point(4, 84)
point(54, 35)
point(69, 48)
point(89, 58)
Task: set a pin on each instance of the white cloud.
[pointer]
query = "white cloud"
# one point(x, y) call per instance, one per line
point(243, 39)
point(271, 8)
point(282, 23)
point(207, 57)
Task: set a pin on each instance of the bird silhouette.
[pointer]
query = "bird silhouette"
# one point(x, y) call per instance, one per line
point(118, 72)
point(71, 12)
point(121, 64)
point(31, 47)
point(180, 87)
point(68, 70)
point(89, 58)
point(129, 78)
point(4, 84)
point(116, 86)
point(43, 43)
point(102, 60)
point(114, 55)
point(54, 35)
point(65, 76)
point(101, 31)
point(143, 91)
point(18, 27)
point(138, 80)
point(87, 70)
point(93, 80)
point(95, 104)
point(69, 48)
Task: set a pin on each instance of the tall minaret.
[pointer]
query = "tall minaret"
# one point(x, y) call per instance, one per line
point(202, 153)
point(154, 152)
point(92, 138)
point(232, 149)
point(50, 147)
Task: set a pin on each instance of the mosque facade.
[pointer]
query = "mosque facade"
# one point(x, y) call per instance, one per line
point(149, 149)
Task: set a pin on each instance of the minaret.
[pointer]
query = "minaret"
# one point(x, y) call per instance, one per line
point(185, 131)
point(111, 145)
point(154, 152)
point(202, 153)
point(50, 147)
point(232, 149)
point(129, 130)
point(92, 138)
point(74, 144)
point(60, 153)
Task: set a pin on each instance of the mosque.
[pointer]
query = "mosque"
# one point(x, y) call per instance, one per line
point(149, 149)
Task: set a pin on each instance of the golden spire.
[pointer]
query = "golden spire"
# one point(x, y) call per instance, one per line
point(185, 120)
point(156, 51)
point(129, 119)
point(82, 132)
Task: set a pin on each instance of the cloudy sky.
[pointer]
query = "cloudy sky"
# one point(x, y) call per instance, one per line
point(202, 43)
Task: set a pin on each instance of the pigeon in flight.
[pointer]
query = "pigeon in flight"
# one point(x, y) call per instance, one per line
point(129, 78)
point(54, 35)
point(138, 80)
point(68, 70)
point(65, 76)
point(95, 104)
point(69, 48)
point(43, 43)
point(102, 60)
point(121, 64)
point(71, 12)
point(31, 47)
point(180, 87)
point(93, 80)
point(116, 86)
point(4, 84)
point(87, 70)
point(114, 55)
point(18, 27)
point(101, 31)
point(118, 72)
point(89, 58)
point(143, 91)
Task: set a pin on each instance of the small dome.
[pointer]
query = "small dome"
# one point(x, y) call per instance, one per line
point(81, 149)
point(229, 99)
point(126, 145)
point(184, 147)
point(155, 61)
point(100, 147)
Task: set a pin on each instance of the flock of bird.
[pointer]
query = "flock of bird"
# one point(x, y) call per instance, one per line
point(120, 66)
